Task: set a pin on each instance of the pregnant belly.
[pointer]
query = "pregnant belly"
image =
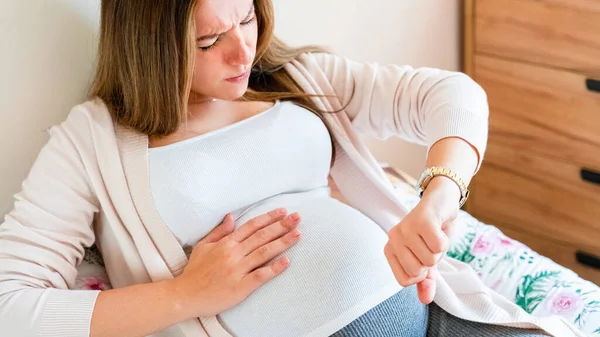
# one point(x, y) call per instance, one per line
point(336, 265)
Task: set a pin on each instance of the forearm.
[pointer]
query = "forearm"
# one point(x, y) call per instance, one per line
point(456, 154)
point(137, 310)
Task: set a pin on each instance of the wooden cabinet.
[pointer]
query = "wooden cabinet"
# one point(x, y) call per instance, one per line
point(539, 63)
point(556, 33)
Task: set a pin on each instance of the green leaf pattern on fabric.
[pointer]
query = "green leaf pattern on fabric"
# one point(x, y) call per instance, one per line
point(532, 290)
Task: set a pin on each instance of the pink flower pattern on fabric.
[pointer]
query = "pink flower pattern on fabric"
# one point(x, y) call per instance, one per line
point(488, 243)
point(565, 303)
point(94, 283)
point(482, 246)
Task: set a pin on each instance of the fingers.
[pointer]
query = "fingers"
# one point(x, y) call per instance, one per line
point(426, 288)
point(269, 233)
point(260, 276)
point(257, 223)
point(448, 228)
point(399, 272)
point(435, 239)
point(265, 253)
point(222, 230)
point(421, 251)
point(409, 262)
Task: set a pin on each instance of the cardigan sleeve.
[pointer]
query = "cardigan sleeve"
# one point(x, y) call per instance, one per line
point(422, 105)
point(42, 241)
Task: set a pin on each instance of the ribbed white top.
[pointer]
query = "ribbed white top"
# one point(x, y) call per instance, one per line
point(278, 158)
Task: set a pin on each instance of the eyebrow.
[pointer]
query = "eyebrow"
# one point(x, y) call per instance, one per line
point(214, 36)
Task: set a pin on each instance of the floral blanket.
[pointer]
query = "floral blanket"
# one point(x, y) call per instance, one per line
point(535, 283)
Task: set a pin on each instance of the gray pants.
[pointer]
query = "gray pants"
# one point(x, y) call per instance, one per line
point(403, 315)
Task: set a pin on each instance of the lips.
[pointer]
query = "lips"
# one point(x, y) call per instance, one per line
point(240, 77)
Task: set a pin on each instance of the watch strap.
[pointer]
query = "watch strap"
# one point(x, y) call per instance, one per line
point(435, 171)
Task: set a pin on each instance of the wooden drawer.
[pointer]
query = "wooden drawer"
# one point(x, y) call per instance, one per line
point(539, 195)
point(560, 33)
point(562, 254)
point(544, 110)
point(550, 172)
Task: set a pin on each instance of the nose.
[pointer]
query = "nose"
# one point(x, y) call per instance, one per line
point(240, 52)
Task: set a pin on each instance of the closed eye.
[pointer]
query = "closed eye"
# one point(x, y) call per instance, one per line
point(249, 22)
point(207, 48)
point(245, 23)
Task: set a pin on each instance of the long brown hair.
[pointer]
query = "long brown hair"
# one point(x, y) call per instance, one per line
point(145, 63)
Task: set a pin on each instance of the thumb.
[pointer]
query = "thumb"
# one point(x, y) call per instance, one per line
point(426, 288)
point(222, 230)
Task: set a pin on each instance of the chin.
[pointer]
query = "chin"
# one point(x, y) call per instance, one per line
point(233, 92)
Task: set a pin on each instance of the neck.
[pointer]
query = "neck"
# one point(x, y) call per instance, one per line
point(205, 108)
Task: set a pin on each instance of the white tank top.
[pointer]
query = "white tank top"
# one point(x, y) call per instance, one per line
point(277, 158)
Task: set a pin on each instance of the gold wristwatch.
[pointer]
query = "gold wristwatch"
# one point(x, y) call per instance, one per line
point(435, 171)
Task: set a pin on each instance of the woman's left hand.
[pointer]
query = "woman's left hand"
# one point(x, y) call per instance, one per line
point(420, 240)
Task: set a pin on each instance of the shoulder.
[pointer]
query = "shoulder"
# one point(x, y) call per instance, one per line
point(85, 122)
point(322, 70)
point(93, 112)
point(320, 61)
point(337, 69)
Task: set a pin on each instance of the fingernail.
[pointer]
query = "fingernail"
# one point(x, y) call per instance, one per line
point(281, 211)
point(295, 216)
point(295, 233)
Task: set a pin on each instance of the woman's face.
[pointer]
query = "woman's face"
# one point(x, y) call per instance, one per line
point(226, 34)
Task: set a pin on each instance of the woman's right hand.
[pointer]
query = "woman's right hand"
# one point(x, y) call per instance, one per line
point(227, 265)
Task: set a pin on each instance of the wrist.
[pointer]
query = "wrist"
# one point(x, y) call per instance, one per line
point(442, 187)
point(177, 299)
point(428, 182)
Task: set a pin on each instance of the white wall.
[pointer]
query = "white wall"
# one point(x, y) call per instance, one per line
point(48, 50)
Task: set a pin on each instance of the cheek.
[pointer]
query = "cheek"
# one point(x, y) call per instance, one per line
point(205, 72)
point(253, 37)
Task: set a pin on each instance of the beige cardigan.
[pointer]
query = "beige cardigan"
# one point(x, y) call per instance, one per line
point(90, 185)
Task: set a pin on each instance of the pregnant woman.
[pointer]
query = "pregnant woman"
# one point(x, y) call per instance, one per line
point(203, 167)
